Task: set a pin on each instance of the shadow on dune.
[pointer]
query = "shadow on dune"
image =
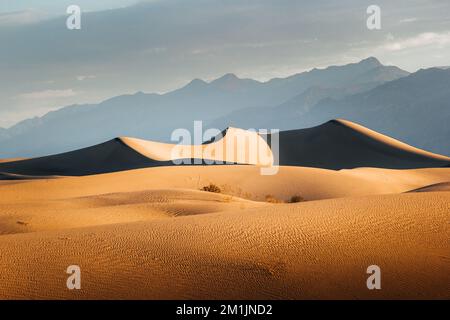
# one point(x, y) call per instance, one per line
point(109, 156)
point(340, 144)
point(337, 144)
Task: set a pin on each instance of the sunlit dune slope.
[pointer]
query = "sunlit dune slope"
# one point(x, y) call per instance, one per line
point(316, 249)
point(111, 208)
point(241, 181)
point(443, 186)
point(337, 144)
point(167, 192)
point(237, 146)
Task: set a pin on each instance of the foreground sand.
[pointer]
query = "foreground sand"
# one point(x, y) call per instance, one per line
point(150, 233)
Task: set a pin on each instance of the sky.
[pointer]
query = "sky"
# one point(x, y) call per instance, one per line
point(125, 46)
point(57, 7)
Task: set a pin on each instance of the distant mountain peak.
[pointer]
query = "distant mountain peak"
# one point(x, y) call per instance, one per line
point(231, 82)
point(226, 78)
point(430, 71)
point(371, 61)
point(361, 88)
point(196, 83)
point(229, 76)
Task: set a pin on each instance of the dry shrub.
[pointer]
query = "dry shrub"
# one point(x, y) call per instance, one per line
point(296, 198)
point(211, 188)
point(272, 199)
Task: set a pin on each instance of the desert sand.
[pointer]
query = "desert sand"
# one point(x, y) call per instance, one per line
point(150, 233)
point(140, 228)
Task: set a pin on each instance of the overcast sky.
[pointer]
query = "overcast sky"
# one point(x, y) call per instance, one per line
point(126, 46)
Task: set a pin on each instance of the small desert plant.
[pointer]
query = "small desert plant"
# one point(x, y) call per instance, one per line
point(272, 199)
point(211, 188)
point(296, 198)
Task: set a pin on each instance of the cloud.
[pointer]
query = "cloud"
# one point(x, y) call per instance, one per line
point(421, 40)
point(407, 20)
point(24, 17)
point(48, 94)
point(85, 77)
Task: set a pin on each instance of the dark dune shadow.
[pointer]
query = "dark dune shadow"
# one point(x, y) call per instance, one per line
point(333, 145)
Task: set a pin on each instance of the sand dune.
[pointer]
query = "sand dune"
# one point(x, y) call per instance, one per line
point(13, 176)
point(126, 153)
point(146, 194)
point(232, 146)
point(317, 249)
point(139, 227)
point(240, 181)
point(109, 156)
point(443, 186)
point(341, 144)
point(151, 234)
point(337, 144)
point(112, 208)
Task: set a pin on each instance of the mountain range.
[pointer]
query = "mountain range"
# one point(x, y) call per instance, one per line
point(411, 107)
point(414, 109)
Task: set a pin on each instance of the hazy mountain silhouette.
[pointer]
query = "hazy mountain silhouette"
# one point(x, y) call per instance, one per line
point(414, 109)
point(155, 116)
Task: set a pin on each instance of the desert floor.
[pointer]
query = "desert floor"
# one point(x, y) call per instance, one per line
point(152, 234)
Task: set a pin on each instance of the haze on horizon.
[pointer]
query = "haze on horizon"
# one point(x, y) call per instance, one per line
point(156, 46)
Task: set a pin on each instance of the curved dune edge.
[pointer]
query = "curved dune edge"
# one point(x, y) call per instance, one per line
point(236, 146)
point(333, 145)
point(115, 208)
point(341, 144)
point(151, 234)
point(236, 180)
point(313, 250)
point(169, 192)
point(12, 176)
point(217, 150)
point(389, 140)
point(436, 187)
